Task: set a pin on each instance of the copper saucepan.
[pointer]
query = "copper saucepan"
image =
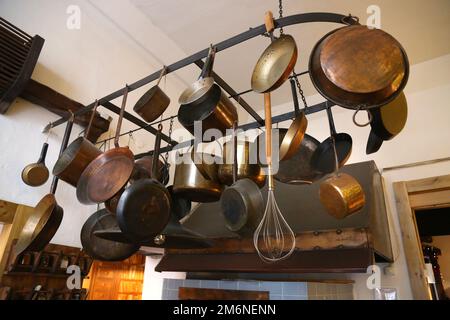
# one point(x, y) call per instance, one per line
point(154, 102)
point(77, 156)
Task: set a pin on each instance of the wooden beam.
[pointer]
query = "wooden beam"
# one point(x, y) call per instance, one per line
point(186, 293)
point(345, 261)
point(11, 232)
point(428, 200)
point(46, 97)
point(7, 211)
point(427, 184)
point(411, 243)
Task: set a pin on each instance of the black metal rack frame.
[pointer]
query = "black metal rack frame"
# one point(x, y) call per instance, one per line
point(196, 59)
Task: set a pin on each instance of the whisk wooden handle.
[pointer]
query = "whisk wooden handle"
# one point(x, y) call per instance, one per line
point(268, 122)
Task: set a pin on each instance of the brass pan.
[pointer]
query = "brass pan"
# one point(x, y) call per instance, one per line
point(276, 62)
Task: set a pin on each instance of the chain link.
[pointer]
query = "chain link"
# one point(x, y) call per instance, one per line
point(300, 90)
point(280, 11)
point(166, 156)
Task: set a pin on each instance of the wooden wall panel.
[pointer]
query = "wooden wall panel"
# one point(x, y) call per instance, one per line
point(117, 280)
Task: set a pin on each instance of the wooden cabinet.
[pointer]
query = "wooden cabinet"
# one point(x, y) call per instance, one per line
point(117, 280)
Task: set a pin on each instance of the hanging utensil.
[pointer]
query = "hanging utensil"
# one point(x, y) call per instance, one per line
point(190, 183)
point(144, 207)
point(214, 110)
point(387, 122)
point(296, 170)
point(293, 138)
point(197, 91)
point(107, 174)
point(274, 239)
point(44, 221)
point(341, 194)
point(154, 102)
point(323, 158)
point(359, 68)
point(276, 62)
point(36, 174)
point(77, 156)
point(242, 204)
point(180, 206)
point(246, 165)
point(101, 249)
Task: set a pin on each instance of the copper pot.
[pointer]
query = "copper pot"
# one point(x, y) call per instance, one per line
point(246, 166)
point(191, 184)
point(77, 156)
point(215, 111)
point(341, 195)
point(154, 102)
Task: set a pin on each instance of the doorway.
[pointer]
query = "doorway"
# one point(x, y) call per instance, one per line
point(417, 201)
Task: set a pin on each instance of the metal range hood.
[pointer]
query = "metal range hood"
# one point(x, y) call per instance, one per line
point(324, 243)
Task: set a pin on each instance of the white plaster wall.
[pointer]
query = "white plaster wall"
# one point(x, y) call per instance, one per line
point(83, 64)
point(153, 281)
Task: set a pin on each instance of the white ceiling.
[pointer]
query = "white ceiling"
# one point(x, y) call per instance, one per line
point(421, 26)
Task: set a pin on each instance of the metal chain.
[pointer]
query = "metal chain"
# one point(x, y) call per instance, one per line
point(166, 156)
point(300, 90)
point(280, 11)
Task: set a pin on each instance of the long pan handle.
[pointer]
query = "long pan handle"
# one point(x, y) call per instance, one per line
point(91, 120)
point(207, 68)
point(330, 120)
point(268, 122)
point(295, 98)
point(64, 143)
point(156, 152)
point(119, 121)
point(235, 163)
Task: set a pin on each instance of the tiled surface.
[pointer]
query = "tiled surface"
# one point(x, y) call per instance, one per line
point(329, 291)
point(277, 290)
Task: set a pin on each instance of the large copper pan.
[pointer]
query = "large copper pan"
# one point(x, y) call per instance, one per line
point(77, 156)
point(359, 68)
point(107, 174)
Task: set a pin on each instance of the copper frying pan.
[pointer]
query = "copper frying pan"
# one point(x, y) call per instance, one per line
point(107, 174)
point(294, 135)
point(359, 68)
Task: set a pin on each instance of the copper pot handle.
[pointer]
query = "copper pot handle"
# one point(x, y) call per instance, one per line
point(91, 120)
point(119, 122)
point(361, 124)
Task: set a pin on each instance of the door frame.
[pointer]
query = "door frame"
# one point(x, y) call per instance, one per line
point(412, 195)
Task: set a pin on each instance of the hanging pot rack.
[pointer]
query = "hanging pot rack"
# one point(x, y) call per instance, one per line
point(196, 59)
